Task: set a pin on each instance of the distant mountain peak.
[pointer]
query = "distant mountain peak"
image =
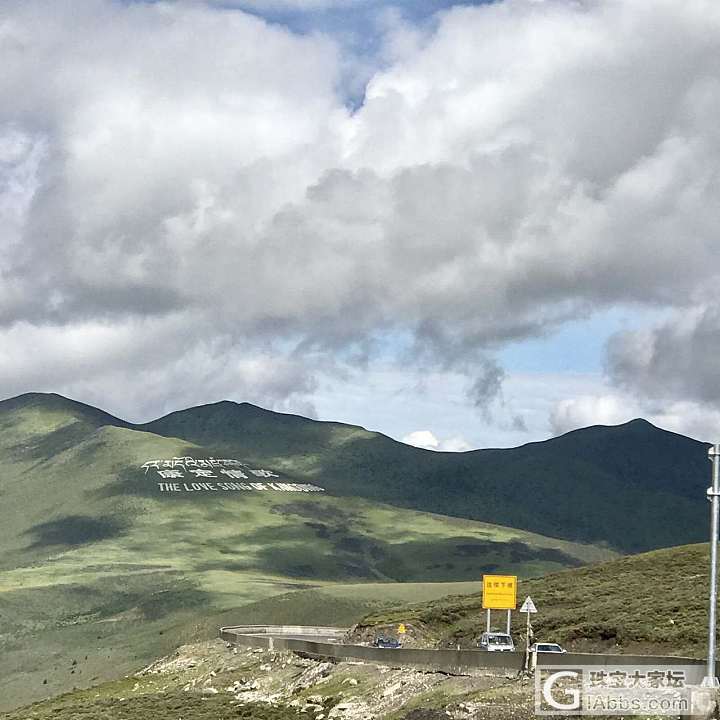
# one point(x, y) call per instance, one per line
point(56, 402)
point(640, 421)
point(634, 426)
point(642, 426)
point(226, 408)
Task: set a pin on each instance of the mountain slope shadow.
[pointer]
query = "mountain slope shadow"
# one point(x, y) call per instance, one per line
point(75, 530)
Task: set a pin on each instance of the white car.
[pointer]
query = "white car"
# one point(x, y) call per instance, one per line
point(547, 648)
point(496, 642)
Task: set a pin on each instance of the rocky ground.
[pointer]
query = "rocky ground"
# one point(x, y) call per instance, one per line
point(212, 680)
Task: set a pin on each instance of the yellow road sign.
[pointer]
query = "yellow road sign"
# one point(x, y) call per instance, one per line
point(500, 592)
point(401, 629)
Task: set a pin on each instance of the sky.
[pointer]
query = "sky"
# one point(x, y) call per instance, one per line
point(462, 225)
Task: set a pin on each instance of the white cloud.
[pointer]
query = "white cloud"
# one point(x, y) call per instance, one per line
point(422, 439)
point(578, 412)
point(141, 368)
point(687, 418)
point(455, 444)
point(196, 170)
point(426, 439)
point(267, 5)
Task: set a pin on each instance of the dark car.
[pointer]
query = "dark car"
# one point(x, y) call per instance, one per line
point(381, 641)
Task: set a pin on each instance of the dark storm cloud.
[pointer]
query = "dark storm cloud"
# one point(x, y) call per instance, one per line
point(677, 359)
point(487, 385)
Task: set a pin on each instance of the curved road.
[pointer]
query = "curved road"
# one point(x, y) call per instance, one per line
point(329, 643)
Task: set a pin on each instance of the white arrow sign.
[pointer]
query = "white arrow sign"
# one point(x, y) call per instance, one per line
point(528, 606)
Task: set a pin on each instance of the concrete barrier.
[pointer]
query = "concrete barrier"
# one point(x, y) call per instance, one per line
point(572, 659)
point(329, 645)
point(460, 662)
point(287, 630)
point(326, 634)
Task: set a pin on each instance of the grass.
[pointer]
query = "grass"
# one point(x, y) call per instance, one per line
point(653, 602)
point(169, 705)
point(98, 567)
point(337, 605)
point(634, 487)
point(100, 573)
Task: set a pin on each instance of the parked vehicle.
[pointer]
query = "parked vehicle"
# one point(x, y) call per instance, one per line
point(381, 641)
point(547, 648)
point(496, 642)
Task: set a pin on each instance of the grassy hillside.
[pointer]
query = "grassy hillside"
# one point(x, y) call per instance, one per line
point(633, 486)
point(654, 602)
point(100, 572)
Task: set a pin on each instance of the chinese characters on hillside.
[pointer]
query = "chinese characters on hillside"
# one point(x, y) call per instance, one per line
point(188, 474)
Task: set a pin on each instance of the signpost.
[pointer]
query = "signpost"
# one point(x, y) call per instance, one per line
point(527, 607)
point(713, 494)
point(499, 593)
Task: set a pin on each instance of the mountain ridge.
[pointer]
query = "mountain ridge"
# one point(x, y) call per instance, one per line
point(28, 398)
point(633, 486)
point(105, 556)
point(108, 553)
point(54, 401)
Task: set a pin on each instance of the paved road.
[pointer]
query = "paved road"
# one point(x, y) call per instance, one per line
point(330, 642)
point(299, 636)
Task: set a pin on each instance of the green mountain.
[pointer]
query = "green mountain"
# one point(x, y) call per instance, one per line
point(117, 542)
point(634, 486)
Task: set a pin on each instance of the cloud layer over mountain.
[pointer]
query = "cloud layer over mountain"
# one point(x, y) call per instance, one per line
point(193, 204)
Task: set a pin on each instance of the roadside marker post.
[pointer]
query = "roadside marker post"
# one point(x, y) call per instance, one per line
point(528, 607)
point(713, 495)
